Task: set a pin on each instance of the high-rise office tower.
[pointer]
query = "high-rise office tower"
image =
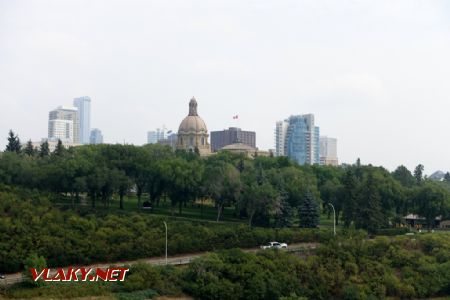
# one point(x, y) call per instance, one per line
point(63, 124)
point(280, 137)
point(328, 151)
point(96, 137)
point(301, 142)
point(232, 135)
point(84, 118)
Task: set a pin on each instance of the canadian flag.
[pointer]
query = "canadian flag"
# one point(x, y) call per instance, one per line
point(235, 117)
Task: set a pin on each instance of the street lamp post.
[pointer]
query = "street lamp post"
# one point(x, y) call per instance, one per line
point(165, 225)
point(334, 219)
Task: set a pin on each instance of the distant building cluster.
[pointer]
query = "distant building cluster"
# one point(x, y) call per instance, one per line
point(299, 138)
point(159, 134)
point(72, 125)
point(193, 136)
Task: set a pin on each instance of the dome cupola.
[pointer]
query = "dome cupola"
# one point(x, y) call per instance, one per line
point(192, 132)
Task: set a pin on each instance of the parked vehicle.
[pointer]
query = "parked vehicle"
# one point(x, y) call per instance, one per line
point(274, 245)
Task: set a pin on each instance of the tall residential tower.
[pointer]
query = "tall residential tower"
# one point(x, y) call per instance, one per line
point(280, 136)
point(298, 138)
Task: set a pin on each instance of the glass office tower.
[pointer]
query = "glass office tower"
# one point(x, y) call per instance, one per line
point(84, 118)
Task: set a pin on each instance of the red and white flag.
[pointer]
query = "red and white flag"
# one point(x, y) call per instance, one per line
point(235, 117)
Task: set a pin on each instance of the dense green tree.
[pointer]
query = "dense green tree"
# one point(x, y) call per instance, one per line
point(13, 143)
point(284, 217)
point(349, 197)
point(222, 184)
point(36, 262)
point(183, 180)
point(332, 192)
point(308, 212)
point(260, 199)
point(140, 162)
point(29, 149)
point(44, 149)
point(418, 173)
point(431, 201)
point(358, 169)
point(123, 185)
point(404, 176)
point(369, 215)
point(155, 184)
point(59, 149)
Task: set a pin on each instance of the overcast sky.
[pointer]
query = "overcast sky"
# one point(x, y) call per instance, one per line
point(375, 73)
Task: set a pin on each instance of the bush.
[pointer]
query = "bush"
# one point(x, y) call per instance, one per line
point(36, 262)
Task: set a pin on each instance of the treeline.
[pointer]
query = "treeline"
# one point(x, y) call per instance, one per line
point(349, 267)
point(267, 191)
point(30, 224)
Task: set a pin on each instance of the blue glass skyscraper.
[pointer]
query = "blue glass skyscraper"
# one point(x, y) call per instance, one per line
point(302, 140)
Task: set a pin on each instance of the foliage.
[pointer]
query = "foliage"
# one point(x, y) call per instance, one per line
point(266, 191)
point(31, 225)
point(36, 262)
point(350, 268)
point(309, 212)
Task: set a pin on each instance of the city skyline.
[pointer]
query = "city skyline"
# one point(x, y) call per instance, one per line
point(373, 75)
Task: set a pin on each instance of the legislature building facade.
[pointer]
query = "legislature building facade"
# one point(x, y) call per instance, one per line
point(192, 133)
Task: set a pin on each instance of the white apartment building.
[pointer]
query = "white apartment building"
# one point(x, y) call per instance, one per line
point(63, 124)
point(280, 136)
point(60, 130)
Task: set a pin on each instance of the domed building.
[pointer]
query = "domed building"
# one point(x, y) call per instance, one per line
point(193, 133)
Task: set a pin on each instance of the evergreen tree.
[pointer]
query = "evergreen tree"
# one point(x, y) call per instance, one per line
point(418, 173)
point(284, 216)
point(309, 212)
point(13, 143)
point(44, 150)
point(358, 169)
point(29, 149)
point(349, 198)
point(369, 215)
point(59, 150)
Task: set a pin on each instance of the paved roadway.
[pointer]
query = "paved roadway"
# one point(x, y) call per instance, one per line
point(172, 260)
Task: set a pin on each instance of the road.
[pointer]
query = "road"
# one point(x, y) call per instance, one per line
point(172, 260)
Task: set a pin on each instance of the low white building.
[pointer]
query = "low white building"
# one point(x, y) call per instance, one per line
point(52, 144)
